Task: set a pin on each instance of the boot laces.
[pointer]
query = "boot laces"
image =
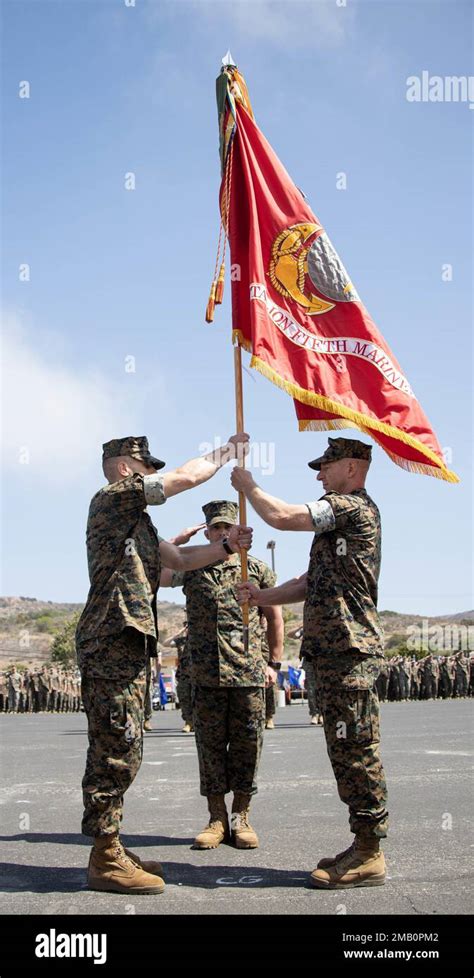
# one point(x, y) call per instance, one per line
point(240, 820)
point(354, 854)
point(119, 852)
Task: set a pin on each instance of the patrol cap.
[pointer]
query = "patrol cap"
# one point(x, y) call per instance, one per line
point(135, 447)
point(342, 448)
point(220, 511)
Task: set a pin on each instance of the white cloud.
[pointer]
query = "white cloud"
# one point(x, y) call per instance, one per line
point(59, 413)
point(283, 23)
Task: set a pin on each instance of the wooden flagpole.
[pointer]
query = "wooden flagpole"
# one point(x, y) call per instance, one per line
point(239, 412)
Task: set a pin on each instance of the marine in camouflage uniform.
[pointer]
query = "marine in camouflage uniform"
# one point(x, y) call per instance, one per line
point(45, 689)
point(382, 682)
point(117, 634)
point(3, 692)
point(228, 682)
point(461, 687)
point(312, 689)
point(414, 679)
point(270, 689)
point(14, 688)
point(429, 671)
point(343, 636)
point(183, 680)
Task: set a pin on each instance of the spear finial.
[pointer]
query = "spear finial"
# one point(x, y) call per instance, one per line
point(228, 60)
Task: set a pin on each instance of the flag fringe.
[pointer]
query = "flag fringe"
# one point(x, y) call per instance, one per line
point(357, 420)
point(404, 463)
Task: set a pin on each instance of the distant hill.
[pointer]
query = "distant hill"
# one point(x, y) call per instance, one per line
point(28, 626)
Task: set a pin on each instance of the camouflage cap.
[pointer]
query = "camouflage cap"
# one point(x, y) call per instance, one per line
point(220, 511)
point(342, 448)
point(135, 447)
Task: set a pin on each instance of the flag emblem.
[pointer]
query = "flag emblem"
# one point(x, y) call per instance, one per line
point(304, 259)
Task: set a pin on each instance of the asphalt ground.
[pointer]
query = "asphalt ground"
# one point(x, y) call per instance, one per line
point(428, 756)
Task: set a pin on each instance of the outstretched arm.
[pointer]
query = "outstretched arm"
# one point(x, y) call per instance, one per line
point(199, 470)
point(291, 592)
point(191, 558)
point(275, 512)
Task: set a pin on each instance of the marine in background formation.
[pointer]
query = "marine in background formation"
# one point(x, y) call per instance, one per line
point(50, 689)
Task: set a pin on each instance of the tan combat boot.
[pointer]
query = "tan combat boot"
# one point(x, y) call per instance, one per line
point(243, 835)
point(148, 725)
point(269, 724)
point(361, 865)
point(217, 829)
point(188, 728)
point(149, 865)
point(330, 860)
point(110, 869)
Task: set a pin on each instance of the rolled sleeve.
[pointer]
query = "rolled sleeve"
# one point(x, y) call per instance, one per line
point(322, 515)
point(154, 487)
point(177, 578)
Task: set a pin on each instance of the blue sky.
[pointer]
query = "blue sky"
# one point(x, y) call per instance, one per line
point(117, 273)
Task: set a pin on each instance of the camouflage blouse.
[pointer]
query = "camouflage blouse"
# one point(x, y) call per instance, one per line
point(340, 611)
point(215, 624)
point(124, 563)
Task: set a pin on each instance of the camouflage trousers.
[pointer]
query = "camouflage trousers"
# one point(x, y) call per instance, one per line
point(115, 713)
point(350, 708)
point(148, 707)
point(313, 703)
point(228, 724)
point(184, 690)
point(270, 702)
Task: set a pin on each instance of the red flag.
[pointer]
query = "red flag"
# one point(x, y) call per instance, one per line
point(294, 306)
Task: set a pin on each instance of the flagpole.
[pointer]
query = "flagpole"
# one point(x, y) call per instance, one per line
point(239, 413)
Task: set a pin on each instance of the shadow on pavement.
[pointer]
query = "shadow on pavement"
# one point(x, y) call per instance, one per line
point(53, 879)
point(165, 732)
point(72, 839)
point(296, 726)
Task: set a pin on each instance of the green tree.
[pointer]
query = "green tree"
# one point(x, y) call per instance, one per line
point(63, 649)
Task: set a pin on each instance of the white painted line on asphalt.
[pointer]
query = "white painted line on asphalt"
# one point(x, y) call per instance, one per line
point(452, 753)
point(154, 762)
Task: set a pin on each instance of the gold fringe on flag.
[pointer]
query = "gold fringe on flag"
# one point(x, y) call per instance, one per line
point(353, 419)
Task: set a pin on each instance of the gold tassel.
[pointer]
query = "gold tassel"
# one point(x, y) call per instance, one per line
point(211, 303)
point(220, 285)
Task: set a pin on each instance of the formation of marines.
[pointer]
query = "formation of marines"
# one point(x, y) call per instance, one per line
point(44, 690)
point(432, 677)
point(401, 678)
